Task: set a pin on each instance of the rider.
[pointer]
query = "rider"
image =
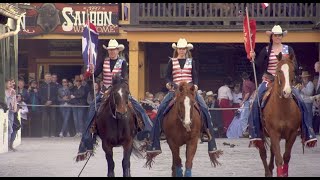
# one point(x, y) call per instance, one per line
point(267, 61)
point(180, 68)
point(110, 66)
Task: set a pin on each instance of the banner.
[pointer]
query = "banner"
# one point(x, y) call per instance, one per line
point(246, 35)
point(70, 18)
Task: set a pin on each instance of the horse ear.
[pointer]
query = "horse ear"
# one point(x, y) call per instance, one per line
point(192, 88)
point(291, 56)
point(279, 56)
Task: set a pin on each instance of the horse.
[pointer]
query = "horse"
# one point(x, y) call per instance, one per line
point(116, 125)
point(182, 125)
point(281, 118)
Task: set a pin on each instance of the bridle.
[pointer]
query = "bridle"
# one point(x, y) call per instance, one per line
point(116, 114)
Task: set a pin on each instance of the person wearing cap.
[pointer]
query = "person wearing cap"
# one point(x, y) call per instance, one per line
point(306, 91)
point(216, 115)
point(267, 62)
point(180, 62)
point(110, 66)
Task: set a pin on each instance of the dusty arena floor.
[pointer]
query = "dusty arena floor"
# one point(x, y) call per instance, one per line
point(44, 157)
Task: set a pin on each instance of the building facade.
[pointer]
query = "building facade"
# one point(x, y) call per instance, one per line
point(51, 42)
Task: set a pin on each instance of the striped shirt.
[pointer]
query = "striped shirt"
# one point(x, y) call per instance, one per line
point(273, 61)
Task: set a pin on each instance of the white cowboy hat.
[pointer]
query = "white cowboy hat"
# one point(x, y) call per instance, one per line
point(182, 43)
point(277, 30)
point(113, 44)
point(199, 91)
point(210, 93)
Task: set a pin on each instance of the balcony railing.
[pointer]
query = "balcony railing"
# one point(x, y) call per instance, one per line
point(223, 14)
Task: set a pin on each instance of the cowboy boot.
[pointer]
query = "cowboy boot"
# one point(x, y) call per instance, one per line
point(11, 147)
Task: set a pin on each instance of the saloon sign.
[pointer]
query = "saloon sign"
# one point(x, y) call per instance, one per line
point(70, 18)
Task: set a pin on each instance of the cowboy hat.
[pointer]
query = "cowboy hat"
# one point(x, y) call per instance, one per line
point(113, 44)
point(199, 91)
point(277, 30)
point(210, 93)
point(182, 43)
point(305, 74)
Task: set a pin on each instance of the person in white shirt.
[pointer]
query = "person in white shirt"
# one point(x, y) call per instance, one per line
point(225, 99)
point(237, 96)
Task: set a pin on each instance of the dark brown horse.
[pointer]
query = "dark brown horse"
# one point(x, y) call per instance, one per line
point(281, 118)
point(116, 125)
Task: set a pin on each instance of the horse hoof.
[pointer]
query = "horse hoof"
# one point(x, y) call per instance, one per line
point(179, 172)
point(188, 173)
point(111, 174)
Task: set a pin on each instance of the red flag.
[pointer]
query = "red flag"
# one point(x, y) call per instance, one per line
point(265, 5)
point(246, 35)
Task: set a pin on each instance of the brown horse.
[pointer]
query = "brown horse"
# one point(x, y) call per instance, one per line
point(182, 125)
point(116, 125)
point(281, 118)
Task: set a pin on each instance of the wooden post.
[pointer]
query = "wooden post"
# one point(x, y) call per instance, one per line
point(136, 69)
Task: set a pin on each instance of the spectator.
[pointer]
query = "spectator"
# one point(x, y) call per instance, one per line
point(24, 115)
point(22, 90)
point(225, 101)
point(54, 79)
point(90, 97)
point(237, 96)
point(316, 104)
point(64, 95)
point(35, 112)
point(306, 90)
point(11, 101)
point(77, 99)
point(48, 94)
point(215, 114)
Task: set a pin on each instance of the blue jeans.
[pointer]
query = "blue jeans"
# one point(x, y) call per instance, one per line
point(255, 122)
point(162, 110)
point(78, 118)
point(87, 140)
point(10, 124)
point(244, 116)
point(66, 112)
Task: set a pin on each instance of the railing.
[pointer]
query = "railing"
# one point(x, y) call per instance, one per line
point(213, 14)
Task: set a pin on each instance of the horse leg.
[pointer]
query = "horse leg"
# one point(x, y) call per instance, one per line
point(176, 160)
point(271, 163)
point(109, 156)
point(263, 156)
point(287, 154)
point(190, 152)
point(127, 150)
point(275, 145)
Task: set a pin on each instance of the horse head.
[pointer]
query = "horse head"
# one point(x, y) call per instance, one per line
point(185, 100)
point(119, 97)
point(285, 74)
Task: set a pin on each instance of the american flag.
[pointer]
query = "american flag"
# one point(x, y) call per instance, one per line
point(89, 45)
point(265, 5)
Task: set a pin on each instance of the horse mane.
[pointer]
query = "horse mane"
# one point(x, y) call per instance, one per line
point(118, 79)
point(184, 89)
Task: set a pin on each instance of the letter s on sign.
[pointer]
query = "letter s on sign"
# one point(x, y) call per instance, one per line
point(67, 25)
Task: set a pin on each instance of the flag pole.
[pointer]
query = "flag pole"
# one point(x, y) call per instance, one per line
point(90, 57)
point(253, 65)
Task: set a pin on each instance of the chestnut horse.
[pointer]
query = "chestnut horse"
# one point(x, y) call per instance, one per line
point(281, 118)
point(182, 125)
point(116, 125)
